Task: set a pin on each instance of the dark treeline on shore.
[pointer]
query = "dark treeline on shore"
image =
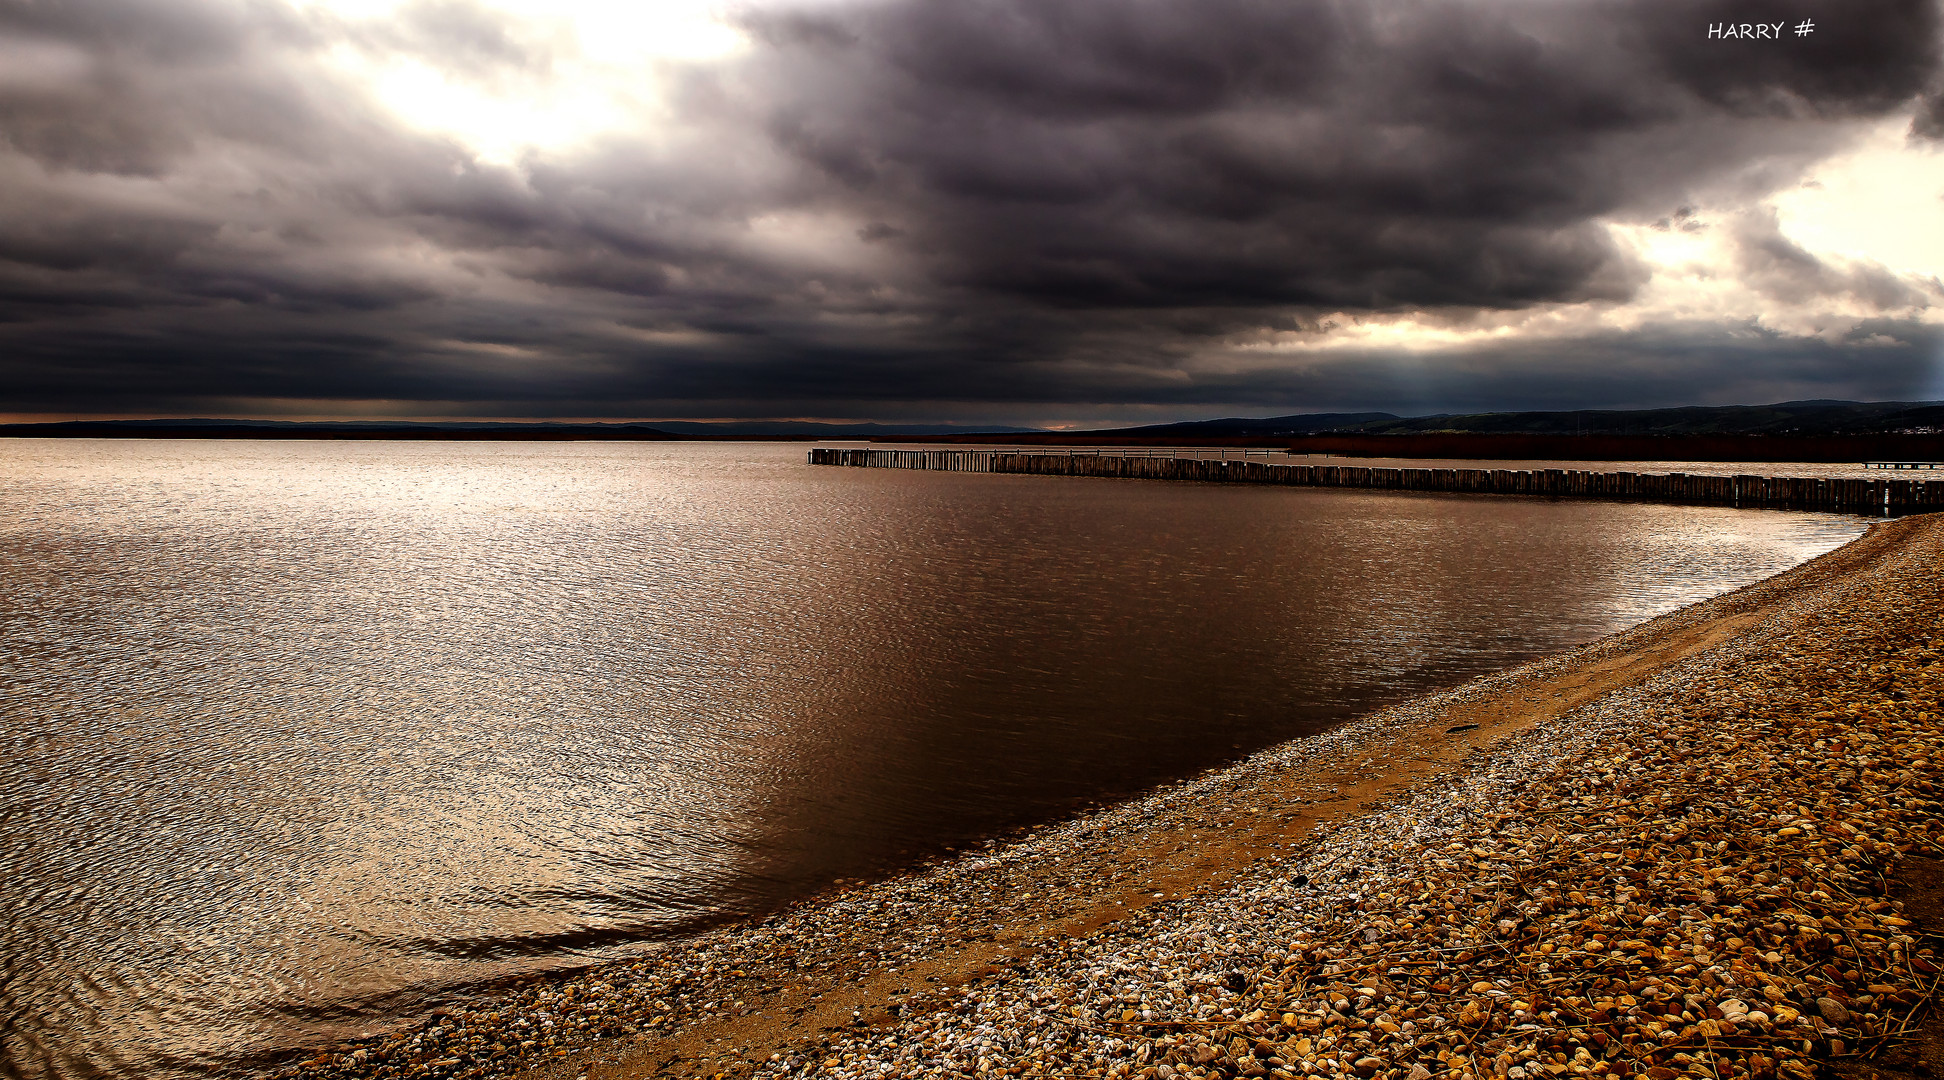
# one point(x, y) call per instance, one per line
point(191, 429)
point(466, 430)
point(1810, 431)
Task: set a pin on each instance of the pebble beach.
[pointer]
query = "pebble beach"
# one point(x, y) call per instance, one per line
point(1707, 846)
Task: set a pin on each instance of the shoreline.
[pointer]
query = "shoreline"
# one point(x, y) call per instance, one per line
point(1006, 932)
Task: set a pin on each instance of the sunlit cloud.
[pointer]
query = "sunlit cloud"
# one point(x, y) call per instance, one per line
point(1861, 238)
point(1882, 202)
point(536, 77)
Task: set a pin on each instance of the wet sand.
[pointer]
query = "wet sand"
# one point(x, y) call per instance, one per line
point(1340, 905)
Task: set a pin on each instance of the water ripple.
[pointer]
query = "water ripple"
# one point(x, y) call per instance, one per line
point(298, 737)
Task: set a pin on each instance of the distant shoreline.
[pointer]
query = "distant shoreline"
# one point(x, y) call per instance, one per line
point(330, 433)
point(1471, 446)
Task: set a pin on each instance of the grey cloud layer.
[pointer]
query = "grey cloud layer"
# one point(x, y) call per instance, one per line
point(1034, 203)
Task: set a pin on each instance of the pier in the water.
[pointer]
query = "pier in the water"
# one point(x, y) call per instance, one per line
point(1887, 498)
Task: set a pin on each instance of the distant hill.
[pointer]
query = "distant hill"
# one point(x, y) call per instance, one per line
point(1799, 418)
point(1785, 418)
point(1269, 428)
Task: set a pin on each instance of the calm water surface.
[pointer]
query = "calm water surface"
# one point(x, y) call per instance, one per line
point(298, 737)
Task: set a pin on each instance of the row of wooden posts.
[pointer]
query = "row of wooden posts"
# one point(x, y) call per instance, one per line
point(1888, 498)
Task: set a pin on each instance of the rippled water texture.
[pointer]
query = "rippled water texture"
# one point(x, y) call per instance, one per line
point(296, 735)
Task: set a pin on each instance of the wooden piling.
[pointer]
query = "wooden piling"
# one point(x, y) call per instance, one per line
point(1876, 498)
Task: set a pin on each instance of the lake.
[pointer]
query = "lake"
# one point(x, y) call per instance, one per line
point(301, 737)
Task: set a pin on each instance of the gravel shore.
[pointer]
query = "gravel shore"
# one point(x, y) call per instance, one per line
point(1701, 848)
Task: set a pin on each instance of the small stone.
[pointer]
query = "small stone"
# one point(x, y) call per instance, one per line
point(1833, 1011)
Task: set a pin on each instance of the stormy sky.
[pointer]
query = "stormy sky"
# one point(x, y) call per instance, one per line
point(1032, 211)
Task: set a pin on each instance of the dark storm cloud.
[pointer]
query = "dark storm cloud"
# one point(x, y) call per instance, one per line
point(1929, 121)
point(1311, 153)
point(1877, 360)
point(1062, 203)
point(94, 86)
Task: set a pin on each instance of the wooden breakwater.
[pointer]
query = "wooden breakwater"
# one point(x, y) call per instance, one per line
point(1888, 498)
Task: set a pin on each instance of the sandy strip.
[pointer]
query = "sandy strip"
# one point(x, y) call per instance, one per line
point(1212, 904)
